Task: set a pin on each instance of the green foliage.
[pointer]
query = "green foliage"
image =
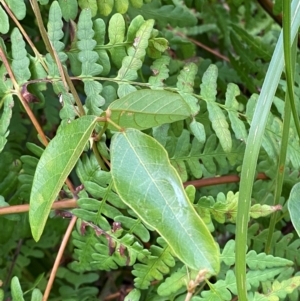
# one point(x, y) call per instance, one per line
point(135, 98)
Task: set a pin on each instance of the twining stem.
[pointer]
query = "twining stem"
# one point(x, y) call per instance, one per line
point(58, 257)
point(72, 203)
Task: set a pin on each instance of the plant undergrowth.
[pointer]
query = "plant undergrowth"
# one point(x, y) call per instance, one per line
point(149, 150)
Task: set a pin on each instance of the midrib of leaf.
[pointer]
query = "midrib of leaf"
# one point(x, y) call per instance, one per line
point(182, 226)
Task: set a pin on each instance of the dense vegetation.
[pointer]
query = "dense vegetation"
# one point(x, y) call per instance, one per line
point(149, 150)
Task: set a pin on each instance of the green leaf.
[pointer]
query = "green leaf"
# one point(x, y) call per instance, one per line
point(16, 290)
point(4, 22)
point(90, 4)
point(209, 84)
point(160, 72)
point(198, 131)
point(103, 60)
point(147, 108)
point(136, 53)
point(176, 281)
point(232, 104)
point(5, 120)
point(69, 9)
point(18, 7)
point(105, 6)
point(20, 63)
point(154, 266)
point(150, 186)
point(166, 14)
point(220, 126)
point(86, 44)
point(294, 207)
point(116, 35)
point(134, 295)
point(263, 261)
point(57, 161)
point(36, 295)
point(216, 115)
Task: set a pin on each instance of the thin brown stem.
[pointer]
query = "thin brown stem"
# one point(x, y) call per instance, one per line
point(59, 205)
point(220, 180)
point(58, 257)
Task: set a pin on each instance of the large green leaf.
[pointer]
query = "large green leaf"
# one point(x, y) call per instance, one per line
point(144, 109)
point(150, 186)
point(55, 164)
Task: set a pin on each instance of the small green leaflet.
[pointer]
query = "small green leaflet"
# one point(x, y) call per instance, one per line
point(151, 187)
point(56, 163)
point(144, 109)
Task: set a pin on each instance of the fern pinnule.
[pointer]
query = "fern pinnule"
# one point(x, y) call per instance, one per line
point(154, 267)
point(160, 72)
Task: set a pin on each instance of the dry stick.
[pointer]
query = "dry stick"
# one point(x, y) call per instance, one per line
point(58, 257)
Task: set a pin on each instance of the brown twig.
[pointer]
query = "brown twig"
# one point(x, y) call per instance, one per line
point(63, 204)
point(220, 180)
point(58, 257)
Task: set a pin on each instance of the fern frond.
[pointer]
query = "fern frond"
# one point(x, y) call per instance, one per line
point(200, 159)
point(136, 54)
point(232, 107)
point(20, 62)
point(104, 250)
point(160, 72)
point(282, 245)
point(86, 44)
point(224, 209)
point(55, 33)
point(155, 266)
point(103, 58)
point(176, 281)
point(166, 14)
point(116, 35)
point(79, 286)
point(185, 86)
point(216, 115)
point(5, 119)
point(88, 58)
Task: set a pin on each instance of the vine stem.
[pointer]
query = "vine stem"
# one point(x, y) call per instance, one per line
point(71, 203)
point(58, 257)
